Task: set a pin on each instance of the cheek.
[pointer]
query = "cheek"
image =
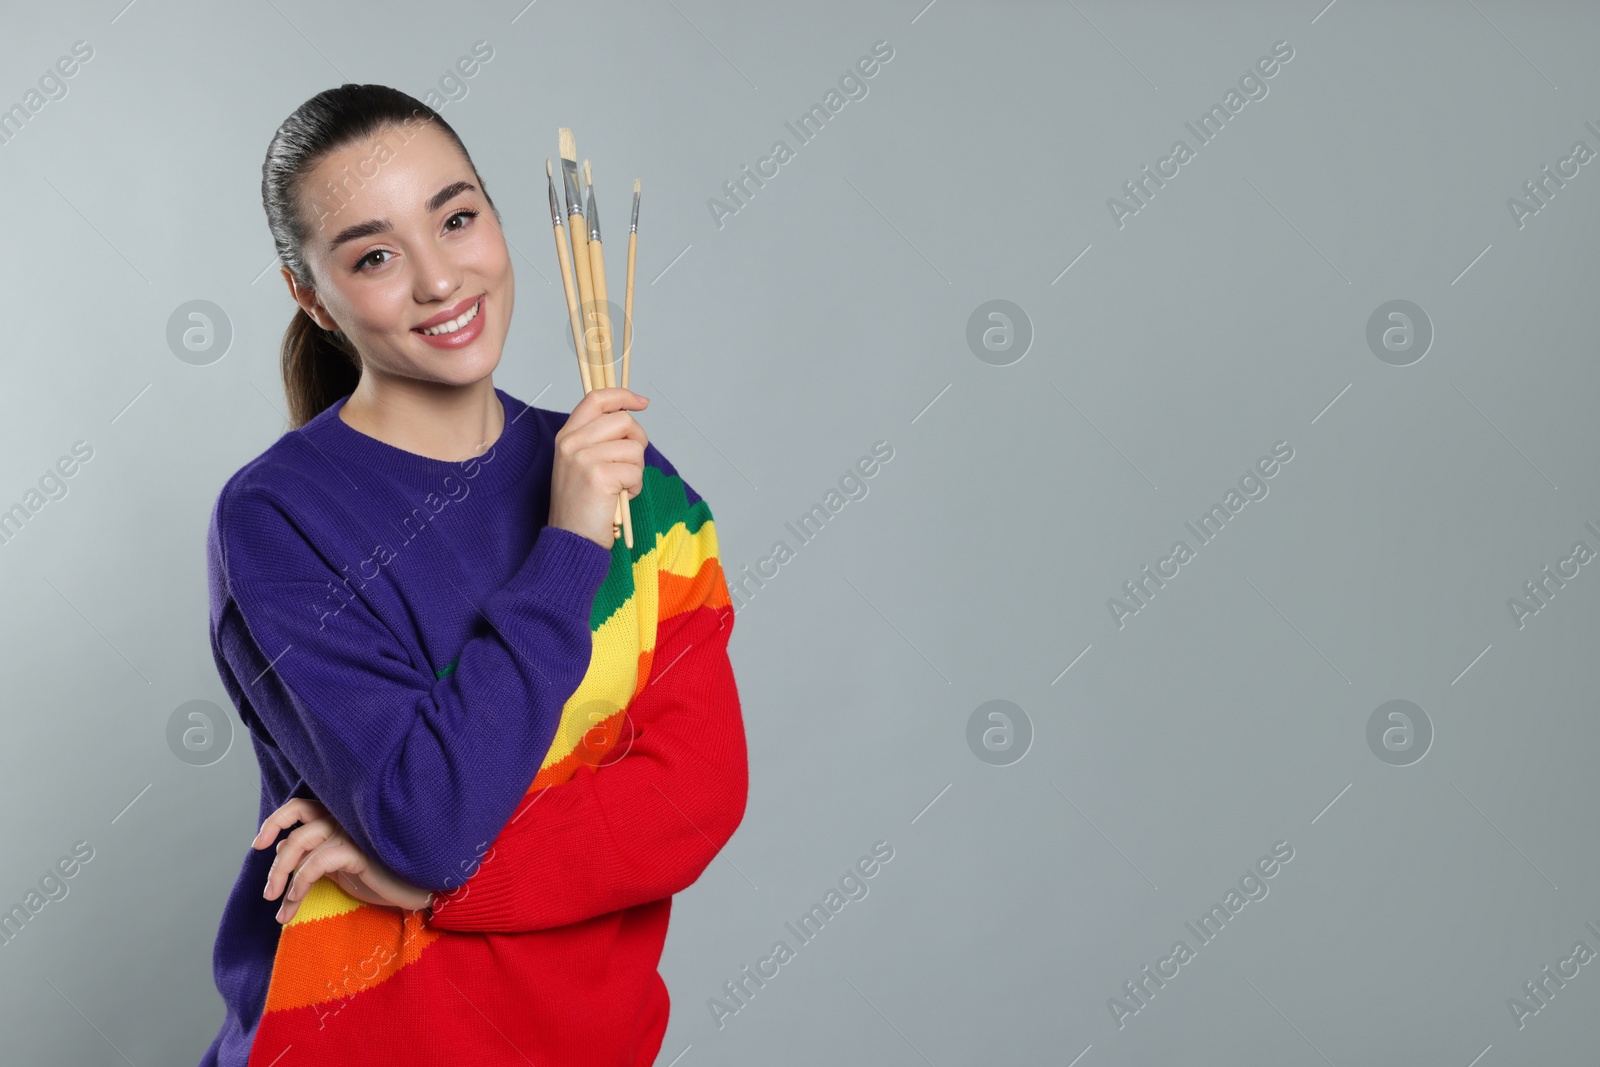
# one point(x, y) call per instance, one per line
point(385, 309)
point(372, 311)
point(498, 271)
point(492, 254)
point(507, 293)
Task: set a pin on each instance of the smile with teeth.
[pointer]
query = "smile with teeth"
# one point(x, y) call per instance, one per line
point(455, 324)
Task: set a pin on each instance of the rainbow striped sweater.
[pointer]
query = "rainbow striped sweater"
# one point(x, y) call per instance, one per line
point(544, 732)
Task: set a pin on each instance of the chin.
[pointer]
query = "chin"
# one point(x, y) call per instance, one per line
point(466, 369)
point(470, 364)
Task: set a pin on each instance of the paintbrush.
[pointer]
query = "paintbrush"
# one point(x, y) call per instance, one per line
point(578, 230)
point(584, 276)
point(627, 307)
point(564, 256)
point(597, 264)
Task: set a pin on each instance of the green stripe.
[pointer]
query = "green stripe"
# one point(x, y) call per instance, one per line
point(664, 505)
point(661, 499)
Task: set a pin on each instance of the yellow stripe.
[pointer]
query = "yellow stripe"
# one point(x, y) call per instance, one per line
point(324, 901)
point(613, 673)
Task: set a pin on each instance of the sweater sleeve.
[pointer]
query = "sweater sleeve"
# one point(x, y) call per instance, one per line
point(415, 768)
point(647, 825)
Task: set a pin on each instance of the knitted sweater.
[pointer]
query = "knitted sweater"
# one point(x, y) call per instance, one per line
point(544, 732)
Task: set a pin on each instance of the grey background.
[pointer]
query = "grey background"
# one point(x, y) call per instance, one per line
point(831, 312)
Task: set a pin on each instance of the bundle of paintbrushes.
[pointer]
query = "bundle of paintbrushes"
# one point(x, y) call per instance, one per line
point(583, 276)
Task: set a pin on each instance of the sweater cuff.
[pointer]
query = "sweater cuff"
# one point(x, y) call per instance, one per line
point(565, 569)
point(499, 900)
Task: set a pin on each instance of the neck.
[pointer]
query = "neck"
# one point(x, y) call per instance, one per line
point(450, 423)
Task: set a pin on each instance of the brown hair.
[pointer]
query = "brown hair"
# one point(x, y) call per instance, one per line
point(320, 366)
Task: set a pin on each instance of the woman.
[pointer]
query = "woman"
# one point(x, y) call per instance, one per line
point(506, 738)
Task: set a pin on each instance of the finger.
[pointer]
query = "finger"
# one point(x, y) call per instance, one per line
point(295, 809)
point(632, 430)
point(292, 851)
point(337, 855)
point(616, 397)
point(625, 451)
point(629, 473)
point(333, 856)
point(594, 466)
point(280, 820)
point(611, 478)
point(610, 426)
point(616, 478)
point(606, 399)
point(615, 425)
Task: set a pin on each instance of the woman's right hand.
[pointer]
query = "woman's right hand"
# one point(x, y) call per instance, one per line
point(598, 454)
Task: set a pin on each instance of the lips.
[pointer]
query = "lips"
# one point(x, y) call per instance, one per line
point(467, 334)
point(449, 313)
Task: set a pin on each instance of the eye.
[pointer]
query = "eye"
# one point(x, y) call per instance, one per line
point(464, 214)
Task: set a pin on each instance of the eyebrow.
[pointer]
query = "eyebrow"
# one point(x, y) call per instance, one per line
point(374, 226)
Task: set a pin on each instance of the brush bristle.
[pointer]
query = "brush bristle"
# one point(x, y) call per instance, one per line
point(548, 172)
point(588, 175)
point(636, 187)
point(569, 150)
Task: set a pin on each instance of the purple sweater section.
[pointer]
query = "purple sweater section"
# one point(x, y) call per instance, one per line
point(399, 635)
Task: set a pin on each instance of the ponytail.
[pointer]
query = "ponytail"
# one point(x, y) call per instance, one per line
point(321, 366)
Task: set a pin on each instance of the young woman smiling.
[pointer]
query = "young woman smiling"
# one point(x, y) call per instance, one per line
point(510, 745)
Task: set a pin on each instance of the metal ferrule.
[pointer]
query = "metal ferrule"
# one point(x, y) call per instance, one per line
point(594, 217)
point(633, 225)
point(555, 205)
point(569, 178)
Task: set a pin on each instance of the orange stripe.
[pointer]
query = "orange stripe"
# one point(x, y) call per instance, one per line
point(678, 594)
point(371, 940)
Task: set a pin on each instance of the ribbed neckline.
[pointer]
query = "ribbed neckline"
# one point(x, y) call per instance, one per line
point(514, 450)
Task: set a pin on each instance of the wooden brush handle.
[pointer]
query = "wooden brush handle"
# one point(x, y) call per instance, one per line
point(602, 311)
point(627, 309)
point(564, 257)
point(597, 265)
point(584, 276)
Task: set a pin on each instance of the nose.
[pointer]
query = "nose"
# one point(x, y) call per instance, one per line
point(435, 275)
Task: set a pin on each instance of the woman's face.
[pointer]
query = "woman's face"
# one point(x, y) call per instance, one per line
point(396, 247)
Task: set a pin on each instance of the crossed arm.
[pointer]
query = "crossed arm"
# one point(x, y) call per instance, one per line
point(642, 828)
point(636, 830)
